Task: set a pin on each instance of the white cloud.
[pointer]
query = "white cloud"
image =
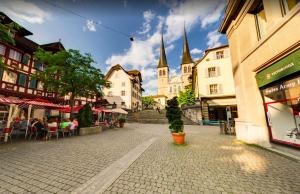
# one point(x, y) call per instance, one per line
point(196, 51)
point(90, 26)
point(25, 11)
point(213, 39)
point(143, 53)
point(148, 17)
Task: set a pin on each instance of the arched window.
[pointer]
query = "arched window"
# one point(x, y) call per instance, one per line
point(185, 69)
point(164, 72)
point(160, 72)
point(190, 69)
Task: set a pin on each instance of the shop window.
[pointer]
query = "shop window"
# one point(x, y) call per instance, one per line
point(10, 77)
point(22, 79)
point(287, 5)
point(213, 89)
point(25, 59)
point(2, 49)
point(15, 55)
point(260, 20)
point(212, 72)
point(123, 93)
point(33, 84)
point(220, 54)
point(282, 103)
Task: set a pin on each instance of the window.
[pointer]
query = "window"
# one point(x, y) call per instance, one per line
point(33, 83)
point(123, 93)
point(25, 59)
point(123, 84)
point(40, 85)
point(10, 77)
point(22, 79)
point(164, 72)
point(2, 49)
point(15, 55)
point(171, 89)
point(160, 72)
point(190, 69)
point(213, 89)
point(287, 5)
point(185, 70)
point(38, 65)
point(220, 54)
point(261, 21)
point(212, 72)
point(123, 103)
point(110, 93)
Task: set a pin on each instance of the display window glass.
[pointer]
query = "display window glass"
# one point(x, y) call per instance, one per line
point(282, 103)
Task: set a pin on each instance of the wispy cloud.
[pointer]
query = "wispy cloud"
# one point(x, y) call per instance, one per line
point(148, 17)
point(213, 39)
point(196, 51)
point(90, 25)
point(25, 11)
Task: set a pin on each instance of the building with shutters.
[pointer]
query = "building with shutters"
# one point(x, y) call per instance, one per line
point(127, 85)
point(214, 86)
point(171, 85)
point(264, 43)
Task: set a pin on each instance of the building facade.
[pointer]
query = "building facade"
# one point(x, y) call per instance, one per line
point(170, 86)
point(127, 85)
point(264, 42)
point(215, 86)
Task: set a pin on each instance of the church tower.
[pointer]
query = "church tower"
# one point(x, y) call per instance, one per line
point(186, 63)
point(162, 71)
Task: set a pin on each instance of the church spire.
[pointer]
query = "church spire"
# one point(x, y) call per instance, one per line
point(162, 59)
point(186, 56)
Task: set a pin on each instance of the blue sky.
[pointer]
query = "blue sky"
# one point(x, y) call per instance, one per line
point(144, 20)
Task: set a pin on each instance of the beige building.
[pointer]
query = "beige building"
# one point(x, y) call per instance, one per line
point(215, 86)
point(161, 101)
point(171, 86)
point(127, 85)
point(264, 43)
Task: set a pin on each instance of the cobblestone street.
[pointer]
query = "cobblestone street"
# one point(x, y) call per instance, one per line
point(209, 163)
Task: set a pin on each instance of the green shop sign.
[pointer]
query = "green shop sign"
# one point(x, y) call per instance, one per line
point(280, 69)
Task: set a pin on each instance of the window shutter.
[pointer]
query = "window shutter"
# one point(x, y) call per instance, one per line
point(218, 69)
point(25, 59)
point(32, 83)
point(206, 72)
point(220, 89)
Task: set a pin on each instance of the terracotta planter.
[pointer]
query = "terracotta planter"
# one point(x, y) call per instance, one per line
point(178, 138)
point(121, 124)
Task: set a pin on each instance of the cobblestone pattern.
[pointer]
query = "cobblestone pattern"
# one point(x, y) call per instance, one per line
point(61, 166)
point(209, 163)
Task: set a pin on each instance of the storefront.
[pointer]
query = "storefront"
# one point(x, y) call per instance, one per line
point(280, 88)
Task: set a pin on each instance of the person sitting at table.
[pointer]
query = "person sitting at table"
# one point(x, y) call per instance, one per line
point(65, 123)
point(52, 123)
point(38, 124)
point(74, 126)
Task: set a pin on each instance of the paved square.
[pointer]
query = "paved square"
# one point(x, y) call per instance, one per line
point(209, 163)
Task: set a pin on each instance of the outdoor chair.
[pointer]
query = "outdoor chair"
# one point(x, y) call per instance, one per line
point(33, 131)
point(51, 131)
point(9, 131)
point(67, 129)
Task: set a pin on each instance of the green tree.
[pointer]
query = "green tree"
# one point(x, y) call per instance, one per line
point(174, 116)
point(85, 116)
point(148, 101)
point(70, 73)
point(187, 97)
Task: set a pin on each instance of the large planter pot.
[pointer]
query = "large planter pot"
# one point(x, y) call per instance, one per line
point(90, 130)
point(178, 138)
point(121, 124)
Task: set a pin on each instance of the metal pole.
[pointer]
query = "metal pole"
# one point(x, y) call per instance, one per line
point(28, 117)
point(8, 121)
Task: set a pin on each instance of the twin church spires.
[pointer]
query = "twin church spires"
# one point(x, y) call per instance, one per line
point(186, 56)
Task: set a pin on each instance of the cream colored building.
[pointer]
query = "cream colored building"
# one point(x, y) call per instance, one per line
point(127, 85)
point(264, 43)
point(215, 86)
point(171, 86)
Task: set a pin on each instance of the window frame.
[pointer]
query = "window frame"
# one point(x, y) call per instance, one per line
point(214, 72)
point(4, 50)
point(19, 76)
point(15, 51)
point(215, 90)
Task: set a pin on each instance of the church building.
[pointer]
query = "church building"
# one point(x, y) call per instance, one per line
point(170, 86)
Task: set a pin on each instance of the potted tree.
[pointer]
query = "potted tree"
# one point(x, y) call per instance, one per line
point(174, 118)
point(121, 120)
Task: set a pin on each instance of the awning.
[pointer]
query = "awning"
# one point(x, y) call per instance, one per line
point(39, 104)
point(5, 100)
point(119, 110)
point(222, 102)
point(68, 109)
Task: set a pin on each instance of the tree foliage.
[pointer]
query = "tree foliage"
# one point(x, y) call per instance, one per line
point(148, 101)
point(187, 97)
point(70, 73)
point(85, 116)
point(174, 116)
